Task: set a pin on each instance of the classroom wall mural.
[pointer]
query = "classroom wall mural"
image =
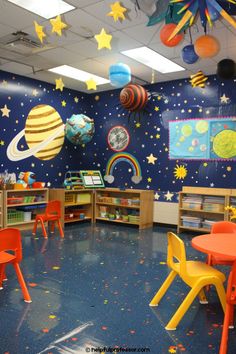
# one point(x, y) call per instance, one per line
point(141, 149)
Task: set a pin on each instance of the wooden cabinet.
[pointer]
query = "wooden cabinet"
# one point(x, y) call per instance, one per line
point(200, 207)
point(21, 205)
point(77, 205)
point(131, 206)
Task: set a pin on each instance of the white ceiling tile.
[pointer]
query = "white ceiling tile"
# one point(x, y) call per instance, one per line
point(59, 55)
point(17, 68)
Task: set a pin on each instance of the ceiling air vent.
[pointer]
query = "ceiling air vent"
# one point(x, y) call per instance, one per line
point(20, 42)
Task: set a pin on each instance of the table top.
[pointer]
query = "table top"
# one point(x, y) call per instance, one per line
point(221, 244)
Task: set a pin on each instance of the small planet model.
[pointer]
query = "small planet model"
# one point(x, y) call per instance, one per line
point(79, 129)
point(224, 144)
point(44, 135)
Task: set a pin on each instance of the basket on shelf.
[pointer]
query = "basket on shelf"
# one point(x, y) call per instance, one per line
point(15, 200)
point(15, 216)
point(70, 198)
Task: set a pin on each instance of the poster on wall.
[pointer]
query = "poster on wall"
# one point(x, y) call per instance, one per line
point(92, 179)
point(203, 139)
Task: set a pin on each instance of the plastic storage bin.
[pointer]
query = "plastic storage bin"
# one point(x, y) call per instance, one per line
point(15, 216)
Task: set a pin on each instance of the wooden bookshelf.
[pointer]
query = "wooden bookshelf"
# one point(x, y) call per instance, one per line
point(76, 204)
point(130, 206)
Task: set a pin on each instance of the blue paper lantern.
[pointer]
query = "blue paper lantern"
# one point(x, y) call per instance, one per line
point(119, 74)
point(189, 55)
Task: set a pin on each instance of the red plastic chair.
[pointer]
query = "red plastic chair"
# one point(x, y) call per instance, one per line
point(10, 240)
point(229, 311)
point(221, 227)
point(52, 215)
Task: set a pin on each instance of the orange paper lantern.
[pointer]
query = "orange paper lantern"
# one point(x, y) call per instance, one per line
point(165, 33)
point(206, 46)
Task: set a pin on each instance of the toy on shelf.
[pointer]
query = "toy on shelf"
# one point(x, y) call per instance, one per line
point(73, 180)
point(232, 212)
point(7, 180)
point(27, 180)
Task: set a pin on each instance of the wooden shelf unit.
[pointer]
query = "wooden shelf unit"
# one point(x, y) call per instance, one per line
point(16, 201)
point(76, 204)
point(130, 206)
point(201, 213)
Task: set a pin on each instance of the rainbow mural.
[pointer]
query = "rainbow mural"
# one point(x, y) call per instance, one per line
point(123, 157)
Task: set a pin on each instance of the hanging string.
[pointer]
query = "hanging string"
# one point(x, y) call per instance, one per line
point(190, 35)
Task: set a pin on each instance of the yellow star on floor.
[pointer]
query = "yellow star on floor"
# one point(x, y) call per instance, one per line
point(151, 159)
point(157, 108)
point(76, 99)
point(5, 111)
point(103, 39)
point(59, 84)
point(63, 103)
point(57, 25)
point(39, 31)
point(138, 125)
point(91, 84)
point(117, 11)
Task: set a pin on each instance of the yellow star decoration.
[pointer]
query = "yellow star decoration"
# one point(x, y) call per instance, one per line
point(138, 125)
point(35, 93)
point(180, 172)
point(2, 143)
point(63, 103)
point(5, 111)
point(157, 108)
point(57, 25)
point(76, 99)
point(151, 159)
point(4, 83)
point(59, 84)
point(205, 164)
point(149, 179)
point(158, 136)
point(229, 168)
point(39, 31)
point(91, 84)
point(117, 11)
point(103, 39)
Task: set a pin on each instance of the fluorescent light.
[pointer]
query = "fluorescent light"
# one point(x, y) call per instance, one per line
point(153, 59)
point(77, 74)
point(44, 8)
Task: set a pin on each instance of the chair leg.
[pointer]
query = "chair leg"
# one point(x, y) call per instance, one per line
point(163, 289)
point(60, 228)
point(21, 280)
point(202, 297)
point(52, 226)
point(43, 228)
point(1, 275)
point(231, 317)
point(174, 321)
point(224, 336)
point(221, 293)
point(35, 227)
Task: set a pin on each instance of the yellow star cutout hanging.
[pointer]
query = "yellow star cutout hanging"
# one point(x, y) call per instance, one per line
point(103, 39)
point(117, 11)
point(91, 84)
point(59, 84)
point(151, 159)
point(5, 111)
point(58, 25)
point(39, 31)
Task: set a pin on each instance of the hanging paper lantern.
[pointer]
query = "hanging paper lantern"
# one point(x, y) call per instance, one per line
point(119, 74)
point(226, 69)
point(206, 46)
point(166, 32)
point(189, 55)
point(134, 97)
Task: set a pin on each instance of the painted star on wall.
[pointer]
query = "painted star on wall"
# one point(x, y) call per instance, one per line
point(35, 93)
point(224, 99)
point(58, 25)
point(169, 196)
point(103, 39)
point(117, 11)
point(5, 111)
point(151, 159)
point(59, 84)
point(91, 84)
point(39, 31)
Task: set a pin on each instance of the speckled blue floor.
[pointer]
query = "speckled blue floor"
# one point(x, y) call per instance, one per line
point(92, 290)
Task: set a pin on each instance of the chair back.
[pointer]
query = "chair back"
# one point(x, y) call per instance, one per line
point(223, 227)
point(10, 240)
point(176, 255)
point(53, 208)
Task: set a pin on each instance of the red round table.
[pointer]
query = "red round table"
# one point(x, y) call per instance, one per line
point(216, 244)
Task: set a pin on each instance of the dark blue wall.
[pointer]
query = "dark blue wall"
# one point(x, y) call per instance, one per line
point(170, 100)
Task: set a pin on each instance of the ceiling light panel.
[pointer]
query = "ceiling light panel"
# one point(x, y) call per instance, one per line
point(153, 59)
point(80, 75)
point(44, 8)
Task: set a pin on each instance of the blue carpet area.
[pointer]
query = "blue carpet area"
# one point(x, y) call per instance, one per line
point(91, 292)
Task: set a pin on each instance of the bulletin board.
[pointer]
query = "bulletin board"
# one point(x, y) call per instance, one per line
point(203, 139)
point(92, 179)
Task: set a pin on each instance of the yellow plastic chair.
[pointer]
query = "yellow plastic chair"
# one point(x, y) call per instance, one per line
point(195, 274)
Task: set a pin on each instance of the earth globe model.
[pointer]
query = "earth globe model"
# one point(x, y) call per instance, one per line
point(79, 129)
